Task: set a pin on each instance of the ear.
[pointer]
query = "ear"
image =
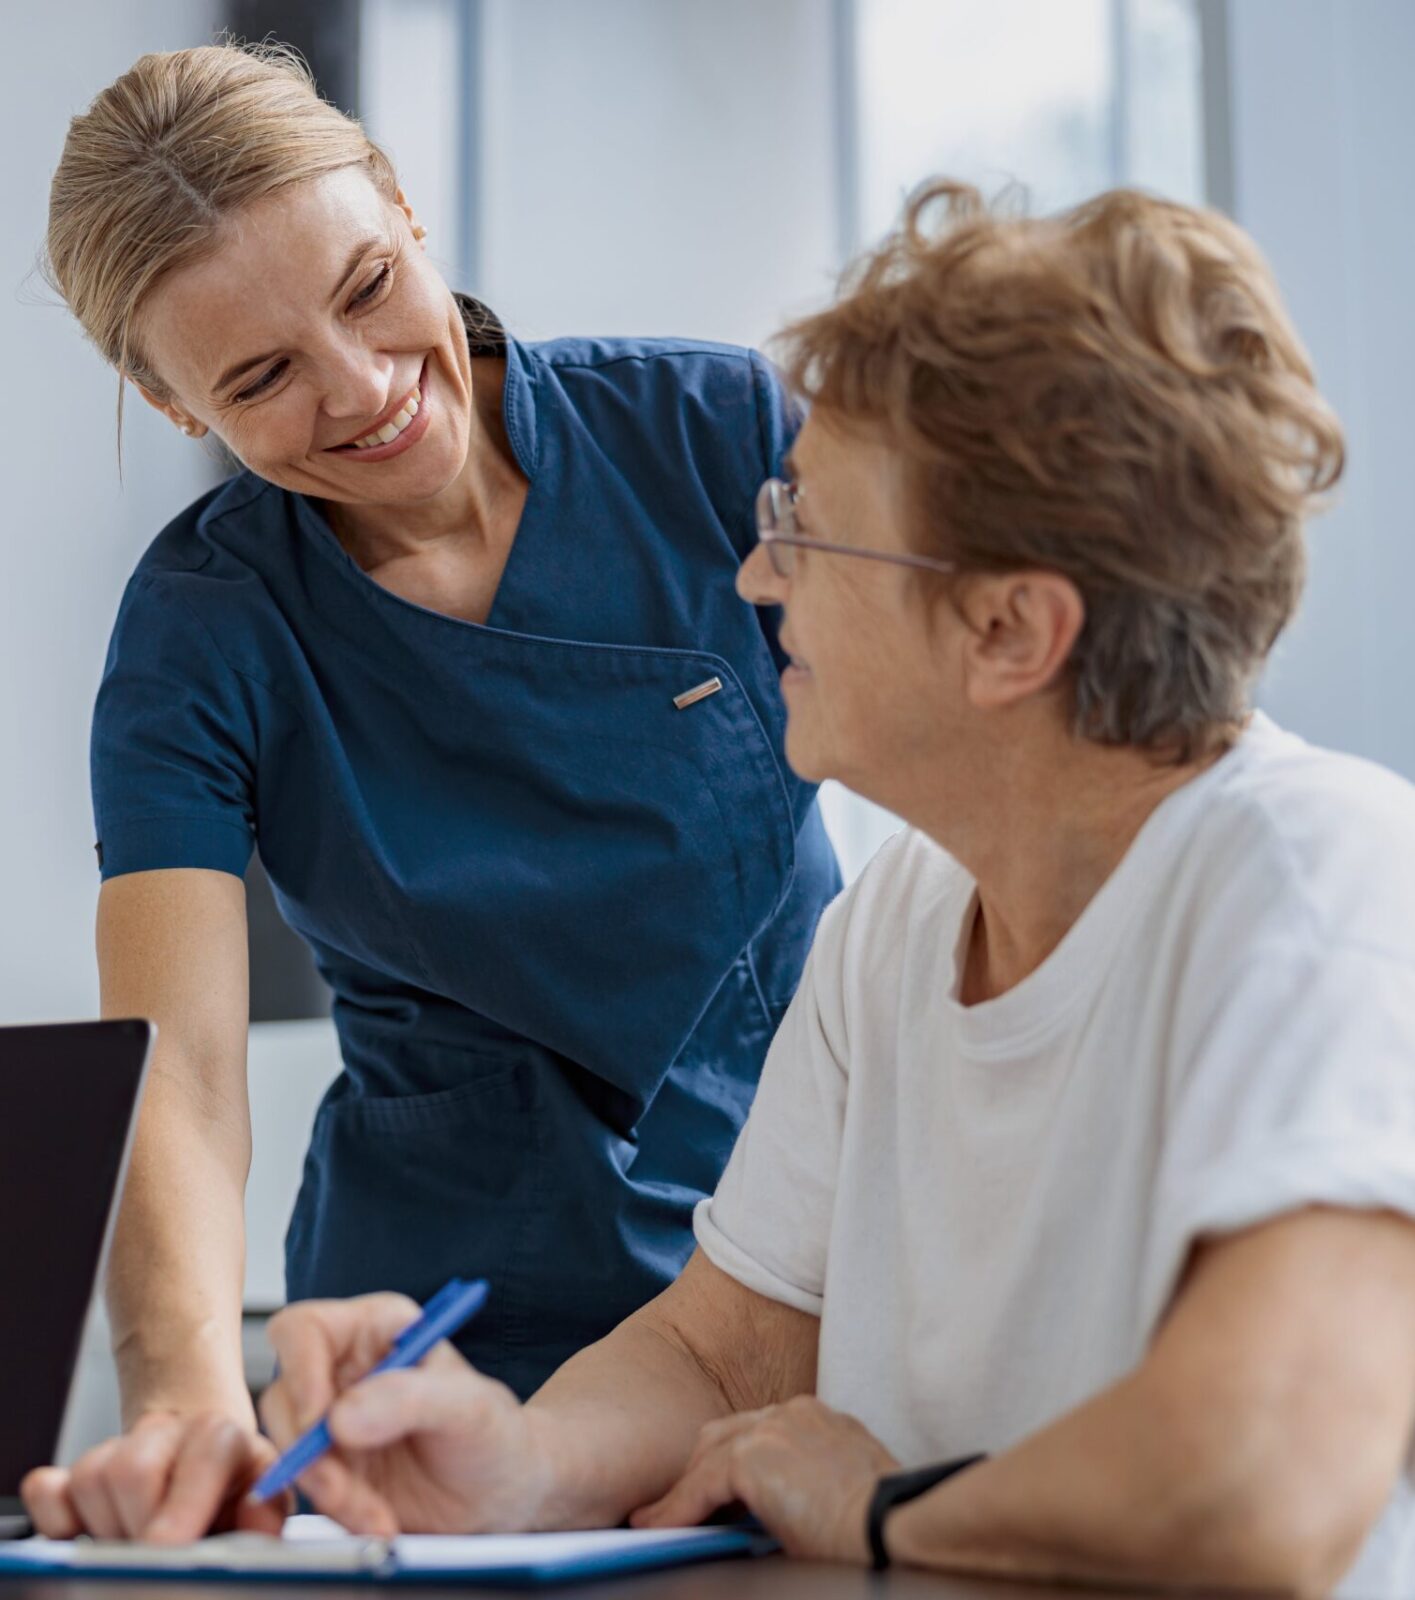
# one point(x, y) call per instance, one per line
point(174, 414)
point(419, 232)
point(1022, 626)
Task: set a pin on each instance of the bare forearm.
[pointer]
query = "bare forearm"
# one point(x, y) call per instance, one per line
point(1130, 1488)
point(617, 1424)
point(175, 1280)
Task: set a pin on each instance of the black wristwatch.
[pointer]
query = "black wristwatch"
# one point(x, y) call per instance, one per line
point(896, 1489)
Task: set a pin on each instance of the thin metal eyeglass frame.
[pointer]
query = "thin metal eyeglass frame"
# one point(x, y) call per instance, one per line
point(776, 529)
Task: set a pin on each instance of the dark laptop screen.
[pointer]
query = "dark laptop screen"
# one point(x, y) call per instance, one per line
point(67, 1096)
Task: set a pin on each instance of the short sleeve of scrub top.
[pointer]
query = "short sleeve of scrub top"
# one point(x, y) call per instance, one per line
point(555, 867)
point(174, 741)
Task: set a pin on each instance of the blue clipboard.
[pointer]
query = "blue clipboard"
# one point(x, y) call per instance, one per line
point(508, 1561)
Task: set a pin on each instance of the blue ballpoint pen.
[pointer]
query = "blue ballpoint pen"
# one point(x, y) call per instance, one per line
point(448, 1309)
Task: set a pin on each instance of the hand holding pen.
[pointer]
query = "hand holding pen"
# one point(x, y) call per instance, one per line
point(428, 1447)
point(448, 1310)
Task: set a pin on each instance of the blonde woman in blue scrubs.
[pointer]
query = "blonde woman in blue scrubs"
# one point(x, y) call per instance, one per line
point(460, 647)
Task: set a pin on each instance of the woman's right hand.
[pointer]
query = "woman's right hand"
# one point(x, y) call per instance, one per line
point(436, 1448)
point(171, 1478)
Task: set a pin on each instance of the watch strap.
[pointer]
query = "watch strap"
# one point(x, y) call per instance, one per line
point(896, 1489)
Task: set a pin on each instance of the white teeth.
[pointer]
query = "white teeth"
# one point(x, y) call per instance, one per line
point(394, 426)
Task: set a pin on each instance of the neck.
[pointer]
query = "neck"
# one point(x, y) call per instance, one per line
point(468, 511)
point(1041, 828)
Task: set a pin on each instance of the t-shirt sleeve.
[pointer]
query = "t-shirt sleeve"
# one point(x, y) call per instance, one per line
point(173, 748)
point(1298, 1090)
point(768, 1224)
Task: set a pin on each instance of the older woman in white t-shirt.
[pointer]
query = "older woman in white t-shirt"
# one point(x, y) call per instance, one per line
point(1088, 1144)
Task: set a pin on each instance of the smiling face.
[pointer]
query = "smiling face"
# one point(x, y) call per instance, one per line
point(319, 344)
point(869, 690)
point(925, 694)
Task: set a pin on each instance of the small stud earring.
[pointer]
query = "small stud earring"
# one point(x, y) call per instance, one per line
point(419, 232)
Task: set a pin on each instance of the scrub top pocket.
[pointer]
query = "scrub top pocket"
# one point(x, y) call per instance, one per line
point(405, 1191)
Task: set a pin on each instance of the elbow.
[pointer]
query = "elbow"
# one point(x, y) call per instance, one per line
point(1275, 1551)
point(1273, 1527)
point(1263, 1483)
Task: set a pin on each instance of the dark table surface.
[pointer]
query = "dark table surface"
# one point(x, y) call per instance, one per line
point(768, 1578)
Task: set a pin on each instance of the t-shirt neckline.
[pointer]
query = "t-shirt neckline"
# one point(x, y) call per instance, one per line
point(1017, 1022)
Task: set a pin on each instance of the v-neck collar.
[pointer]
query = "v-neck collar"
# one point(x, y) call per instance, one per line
point(486, 336)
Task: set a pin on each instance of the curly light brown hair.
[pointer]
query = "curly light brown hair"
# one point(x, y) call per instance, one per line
point(1114, 394)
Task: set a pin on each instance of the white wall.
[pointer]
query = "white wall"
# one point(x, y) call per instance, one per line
point(412, 68)
point(1323, 139)
point(72, 534)
point(657, 168)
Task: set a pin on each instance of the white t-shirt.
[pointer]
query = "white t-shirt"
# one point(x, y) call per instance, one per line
point(988, 1207)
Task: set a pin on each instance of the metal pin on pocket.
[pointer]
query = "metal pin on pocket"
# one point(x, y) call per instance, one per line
point(690, 697)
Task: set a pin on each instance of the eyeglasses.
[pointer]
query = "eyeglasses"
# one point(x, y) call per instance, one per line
point(780, 531)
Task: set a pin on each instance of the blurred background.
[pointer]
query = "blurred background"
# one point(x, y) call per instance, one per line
point(694, 167)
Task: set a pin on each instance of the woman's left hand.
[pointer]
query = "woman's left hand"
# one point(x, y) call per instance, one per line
point(804, 1471)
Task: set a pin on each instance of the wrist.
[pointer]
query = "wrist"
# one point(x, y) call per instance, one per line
point(544, 1476)
point(191, 1401)
point(896, 1491)
point(199, 1370)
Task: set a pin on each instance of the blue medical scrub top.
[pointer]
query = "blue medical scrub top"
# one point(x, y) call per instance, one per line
point(561, 916)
